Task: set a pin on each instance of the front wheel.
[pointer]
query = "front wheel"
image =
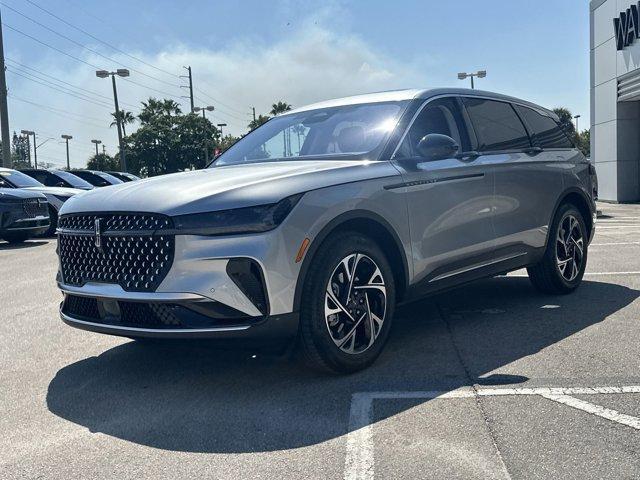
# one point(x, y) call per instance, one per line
point(348, 302)
point(561, 269)
point(14, 237)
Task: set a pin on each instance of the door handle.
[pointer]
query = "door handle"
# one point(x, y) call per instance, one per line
point(468, 156)
point(534, 151)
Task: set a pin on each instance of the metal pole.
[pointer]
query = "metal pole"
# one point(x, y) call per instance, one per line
point(472, 86)
point(190, 88)
point(4, 109)
point(68, 165)
point(123, 160)
point(203, 113)
point(104, 149)
point(254, 113)
point(35, 151)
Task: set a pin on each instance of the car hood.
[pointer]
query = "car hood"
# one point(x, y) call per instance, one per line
point(13, 193)
point(63, 191)
point(221, 188)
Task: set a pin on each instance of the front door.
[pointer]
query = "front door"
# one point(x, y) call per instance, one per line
point(449, 201)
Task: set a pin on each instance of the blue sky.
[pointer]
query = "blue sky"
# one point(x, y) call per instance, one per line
point(253, 53)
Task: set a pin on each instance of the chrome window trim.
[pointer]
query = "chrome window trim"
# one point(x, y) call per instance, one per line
point(455, 96)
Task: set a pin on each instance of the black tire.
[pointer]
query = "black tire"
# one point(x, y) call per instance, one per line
point(315, 341)
point(15, 237)
point(546, 276)
point(53, 223)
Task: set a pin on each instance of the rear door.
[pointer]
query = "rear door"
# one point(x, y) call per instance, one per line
point(449, 201)
point(529, 184)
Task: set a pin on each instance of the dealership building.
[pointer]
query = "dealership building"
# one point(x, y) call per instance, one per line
point(615, 98)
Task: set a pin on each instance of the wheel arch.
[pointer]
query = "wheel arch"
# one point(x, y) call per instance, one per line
point(579, 199)
point(372, 225)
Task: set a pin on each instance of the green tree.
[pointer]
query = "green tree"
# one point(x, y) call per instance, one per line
point(168, 141)
point(277, 109)
point(260, 120)
point(584, 142)
point(566, 120)
point(103, 162)
point(20, 157)
point(127, 118)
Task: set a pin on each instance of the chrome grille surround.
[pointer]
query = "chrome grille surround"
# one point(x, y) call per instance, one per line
point(133, 250)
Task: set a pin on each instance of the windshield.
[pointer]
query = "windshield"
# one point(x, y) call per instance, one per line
point(348, 131)
point(72, 180)
point(109, 178)
point(18, 179)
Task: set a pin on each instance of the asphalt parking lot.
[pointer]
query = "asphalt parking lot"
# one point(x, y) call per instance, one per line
point(492, 380)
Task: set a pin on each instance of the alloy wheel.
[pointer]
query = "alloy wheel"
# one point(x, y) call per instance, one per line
point(355, 303)
point(569, 248)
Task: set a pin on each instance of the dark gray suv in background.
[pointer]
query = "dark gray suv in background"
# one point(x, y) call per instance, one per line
point(314, 226)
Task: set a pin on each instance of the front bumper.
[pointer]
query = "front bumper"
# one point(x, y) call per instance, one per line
point(33, 226)
point(175, 317)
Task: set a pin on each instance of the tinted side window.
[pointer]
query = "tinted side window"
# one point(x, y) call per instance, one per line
point(497, 126)
point(40, 176)
point(441, 116)
point(546, 130)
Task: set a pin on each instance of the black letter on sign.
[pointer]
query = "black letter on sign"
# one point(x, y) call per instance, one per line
point(620, 25)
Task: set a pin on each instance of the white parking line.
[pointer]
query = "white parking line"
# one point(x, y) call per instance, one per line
point(360, 462)
point(613, 243)
point(587, 274)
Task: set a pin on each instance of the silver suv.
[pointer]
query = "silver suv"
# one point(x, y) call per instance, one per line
point(316, 225)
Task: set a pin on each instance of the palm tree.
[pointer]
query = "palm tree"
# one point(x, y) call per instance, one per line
point(261, 119)
point(276, 109)
point(127, 118)
point(158, 108)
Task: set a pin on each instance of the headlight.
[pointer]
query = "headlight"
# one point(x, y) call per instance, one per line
point(239, 220)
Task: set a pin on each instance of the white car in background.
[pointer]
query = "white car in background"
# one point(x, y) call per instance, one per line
point(56, 196)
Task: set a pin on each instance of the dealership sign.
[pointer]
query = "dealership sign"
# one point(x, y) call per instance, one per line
point(626, 27)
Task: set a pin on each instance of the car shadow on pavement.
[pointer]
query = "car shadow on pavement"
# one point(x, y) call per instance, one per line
point(191, 398)
point(20, 246)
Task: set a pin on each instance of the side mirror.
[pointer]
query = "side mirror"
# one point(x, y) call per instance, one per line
point(437, 147)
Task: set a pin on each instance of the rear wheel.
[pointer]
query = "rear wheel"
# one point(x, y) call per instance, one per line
point(564, 262)
point(347, 304)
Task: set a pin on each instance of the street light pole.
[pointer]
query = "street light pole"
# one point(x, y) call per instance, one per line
point(96, 142)
point(220, 125)
point(479, 74)
point(122, 72)
point(67, 138)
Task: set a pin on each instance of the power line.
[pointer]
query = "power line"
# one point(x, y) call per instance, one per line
point(67, 92)
point(218, 101)
point(95, 52)
point(62, 113)
point(51, 46)
point(39, 74)
point(99, 40)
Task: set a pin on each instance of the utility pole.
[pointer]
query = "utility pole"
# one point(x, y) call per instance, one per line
point(67, 138)
point(104, 149)
point(190, 77)
point(122, 72)
point(254, 113)
point(4, 109)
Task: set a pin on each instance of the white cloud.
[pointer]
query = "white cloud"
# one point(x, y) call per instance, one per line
point(312, 63)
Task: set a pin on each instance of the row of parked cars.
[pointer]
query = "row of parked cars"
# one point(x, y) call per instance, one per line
point(30, 199)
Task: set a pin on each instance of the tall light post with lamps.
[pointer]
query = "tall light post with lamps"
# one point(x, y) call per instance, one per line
point(66, 139)
point(121, 72)
point(208, 108)
point(479, 74)
point(96, 143)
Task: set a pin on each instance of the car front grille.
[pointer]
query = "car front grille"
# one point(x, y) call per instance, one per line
point(133, 250)
point(35, 207)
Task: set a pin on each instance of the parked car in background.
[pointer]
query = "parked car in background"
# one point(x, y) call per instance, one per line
point(56, 196)
point(23, 214)
point(96, 178)
point(58, 178)
point(124, 176)
point(386, 198)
